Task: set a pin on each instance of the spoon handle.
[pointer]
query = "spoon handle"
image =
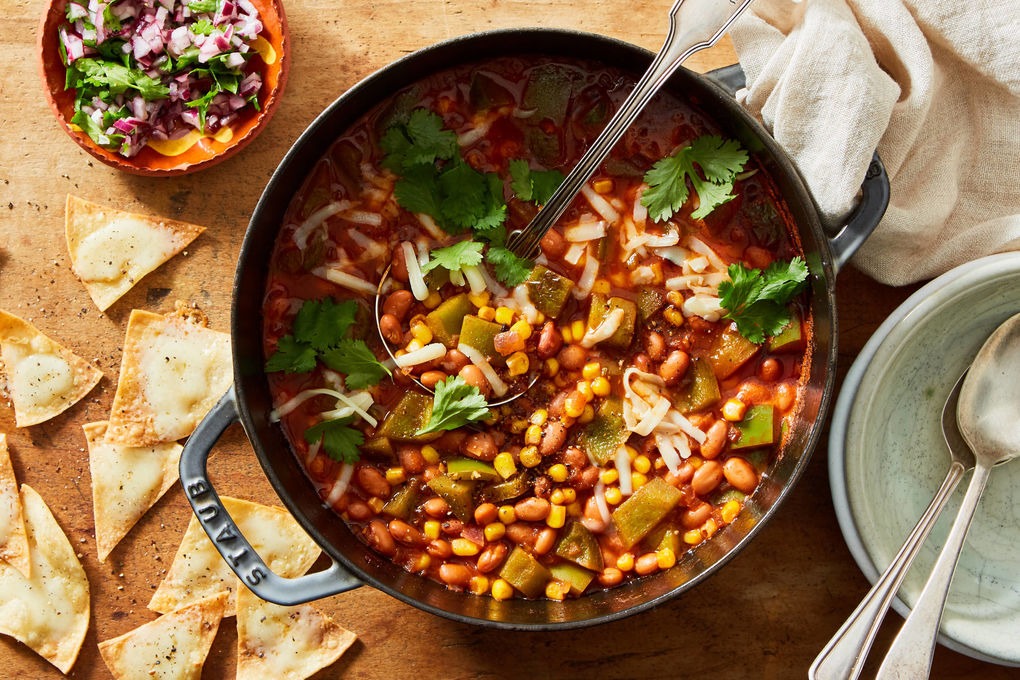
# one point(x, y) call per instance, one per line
point(910, 655)
point(694, 25)
point(844, 655)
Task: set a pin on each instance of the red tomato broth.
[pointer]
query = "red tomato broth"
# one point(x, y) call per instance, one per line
point(754, 228)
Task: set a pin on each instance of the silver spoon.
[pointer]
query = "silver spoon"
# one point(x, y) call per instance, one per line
point(845, 654)
point(694, 25)
point(987, 416)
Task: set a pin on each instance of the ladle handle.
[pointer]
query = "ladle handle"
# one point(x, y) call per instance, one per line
point(844, 656)
point(694, 25)
point(224, 533)
point(910, 655)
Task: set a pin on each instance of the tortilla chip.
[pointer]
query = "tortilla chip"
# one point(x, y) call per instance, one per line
point(171, 374)
point(126, 482)
point(285, 643)
point(49, 612)
point(173, 647)
point(13, 537)
point(111, 250)
point(199, 571)
point(44, 378)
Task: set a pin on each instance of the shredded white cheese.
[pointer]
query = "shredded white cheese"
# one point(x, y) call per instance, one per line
point(316, 219)
point(414, 275)
point(342, 278)
point(499, 388)
point(605, 330)
point(430, 352)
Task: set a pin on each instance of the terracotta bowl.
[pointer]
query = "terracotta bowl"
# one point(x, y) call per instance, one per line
point(207, 151)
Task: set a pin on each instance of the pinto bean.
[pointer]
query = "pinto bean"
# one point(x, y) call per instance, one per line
point(491, 557)
point(473, 375)
point(593, 518)
point(549, 341)
point(553, 438)
point(545, 541)
point(572, 357)
point(553, 244)
point(610, 576)
point(391, 330)
point(399, 268)
point(454, 361)
point(522, 533)
point(359, 511)
point(430, 378)
point(454, 574)
point(372, 481)
point(741, 474)
point(673, 369)
point(707, 477)
point(642, 362)
point(646, 564)
point(486, 513)
point(479, 445)
point(452, 527)
point(715, 439)
point(655, 345)
point(692, 518)
point(439, 548)
point(398, 303)
point(379, 538)
point(405, 533)
point(770, 369)
point(436, 507)
point(532, 509)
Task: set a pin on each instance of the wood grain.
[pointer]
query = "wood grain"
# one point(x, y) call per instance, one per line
point(764, 616)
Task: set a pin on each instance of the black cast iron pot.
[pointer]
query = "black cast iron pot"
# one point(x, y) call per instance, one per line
point(353, 563)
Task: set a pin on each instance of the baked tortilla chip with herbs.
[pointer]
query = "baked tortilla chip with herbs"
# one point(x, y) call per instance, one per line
point(111, 250)
point(126, 482)
point(44, 378)
point(173, 647)
point(285, 643)
point(199, 571)
point(172, 372)
point(13, 537)
point(48, 612)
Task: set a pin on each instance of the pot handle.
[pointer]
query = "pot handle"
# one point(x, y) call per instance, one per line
point(227, 538)
point(874, 189)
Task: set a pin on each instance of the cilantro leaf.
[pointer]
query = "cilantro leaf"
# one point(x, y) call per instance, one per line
point(417, 191)
point(421, 141)
point(757, 301)
point(456, 404)
point(452, 258)
point(291, 356)
point(323, 323)
point(719, 162)
point(339, 439)
point(354, 359)
point(510, 269)
point(533, 185)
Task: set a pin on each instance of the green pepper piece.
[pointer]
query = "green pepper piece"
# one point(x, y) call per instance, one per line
point(577, 577)
point(757, 428)
point(403, 501)
point(525, 573)
point(665, 535)
point(469, 468)
point(513, 487)
point(601, 308)
point(404, 420)
point(649, 302)
point(638, 515)
point(457, 494)
point(581, 547)
point(606, 432)
point(378, 447)
point(730, 351)
point(445, 320)
point(481, 334)
point(547, 95)
point(720, 498)
point(486, 92)
point(548, 291)
point(790, 339)
point(703, 389)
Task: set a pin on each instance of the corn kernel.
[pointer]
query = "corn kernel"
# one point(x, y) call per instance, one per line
point(479, 585)
point(501, 590)
point(518, 363)
point(641, 463)
point(601, 387)
point(421, 333)
point(559, 472)
point(602, 186)
point(533, 435)
point(587, 415)
point(557, 590)
point(507, 514)
point(577, 330)
point(625, 562)
point(573, 405)
point(504, 464)
point(480, 299)
point(376, 504)
point(631, 452)
point(504, 315)
point(539, 416)
point(575, 509)
point(552, 367)
point(613, 495)
point(730, 511)
point(486, 313)
point(638, 480)
point(584, 387)
point(601, 286)
point(693, 537)
point(667, 558)
point(610, 476)
point(494, 531)
point(462, 547)
point(522, 328)
point(733, 410)
point(432, 300)
point(432, 529)
point(556, 497)
point(395, 476)
point(539, 317)
point(414, 345)
point(591, 370)
point(557, 517)
point(696, 461)
point(569, 495)
point(430, 454)
point(530, 457)
point(674, 316)
point(659, 464)
point(709, 527)
point(518, 425)
point(568, 337)
point(675, 298)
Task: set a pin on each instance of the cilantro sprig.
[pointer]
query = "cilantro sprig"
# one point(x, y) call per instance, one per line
point(456, 257)
point(719, 162)
point(455, 404)
point(510, 269)
point(536, 186)
point(320, 333)
point(757, 300)
point(340, 441)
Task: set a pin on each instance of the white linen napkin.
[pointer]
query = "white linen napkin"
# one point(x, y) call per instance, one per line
point(934, 85)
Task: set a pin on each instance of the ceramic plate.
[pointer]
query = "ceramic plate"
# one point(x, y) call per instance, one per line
point(887, 456)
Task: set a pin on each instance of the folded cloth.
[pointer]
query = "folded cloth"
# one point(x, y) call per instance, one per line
point(934, 85)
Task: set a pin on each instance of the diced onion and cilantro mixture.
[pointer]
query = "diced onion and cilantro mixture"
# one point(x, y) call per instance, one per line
point(148, 71)
point(663, 326)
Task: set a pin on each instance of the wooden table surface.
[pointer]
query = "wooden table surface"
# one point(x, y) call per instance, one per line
point(765, 615)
